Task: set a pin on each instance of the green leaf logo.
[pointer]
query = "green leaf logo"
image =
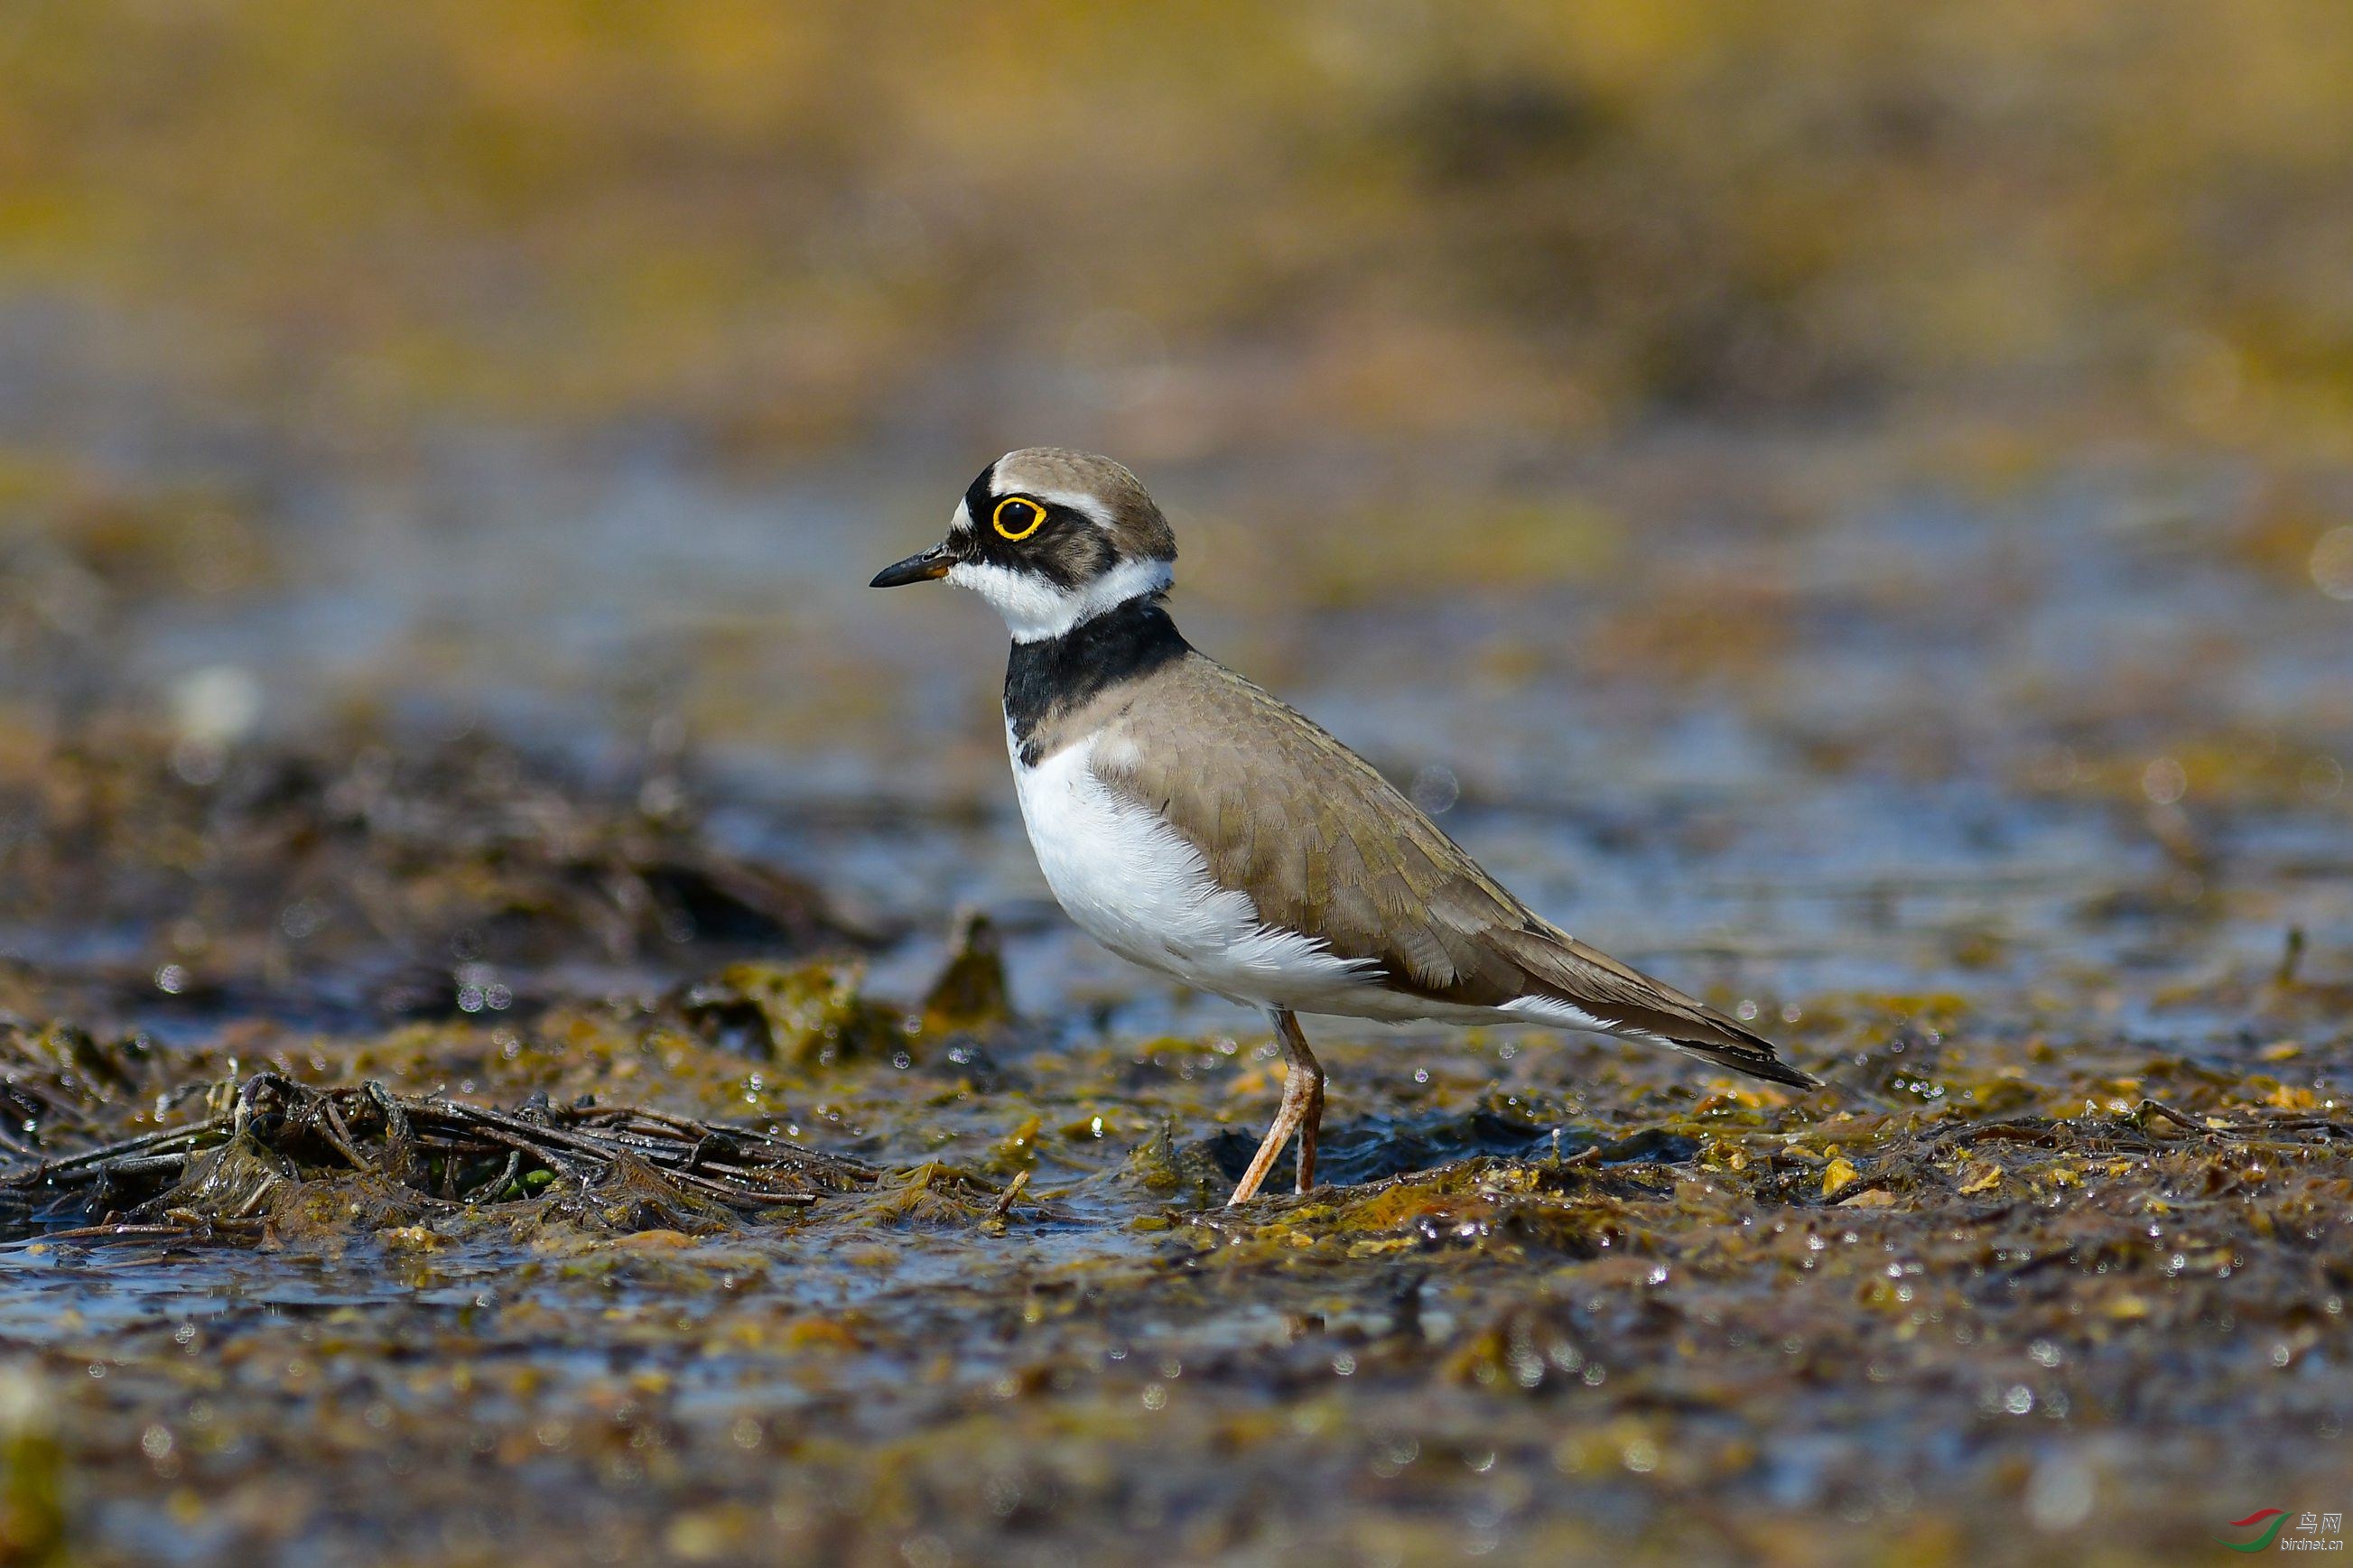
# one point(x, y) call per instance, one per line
point(2278, 1516)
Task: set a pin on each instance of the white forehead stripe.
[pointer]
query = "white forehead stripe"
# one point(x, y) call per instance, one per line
point(1090, 507)
point(1036, 609)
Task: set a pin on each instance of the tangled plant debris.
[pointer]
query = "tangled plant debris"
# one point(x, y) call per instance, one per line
point(260, 1165)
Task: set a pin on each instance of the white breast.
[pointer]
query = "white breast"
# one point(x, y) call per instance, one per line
point(1136, 885)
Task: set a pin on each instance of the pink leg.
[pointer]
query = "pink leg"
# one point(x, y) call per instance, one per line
point(1302, 1111)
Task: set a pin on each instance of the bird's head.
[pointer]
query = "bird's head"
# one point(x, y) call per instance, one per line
point(1051, 538)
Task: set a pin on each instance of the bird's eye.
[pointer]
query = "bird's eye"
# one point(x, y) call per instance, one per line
point(1017, 517)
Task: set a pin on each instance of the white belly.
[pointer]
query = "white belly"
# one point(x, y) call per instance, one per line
point(1136, 885)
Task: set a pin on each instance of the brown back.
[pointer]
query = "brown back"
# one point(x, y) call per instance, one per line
point(1327, 847)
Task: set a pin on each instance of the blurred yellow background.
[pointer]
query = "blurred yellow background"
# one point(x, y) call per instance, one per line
point(567, 361)
point(792, 220)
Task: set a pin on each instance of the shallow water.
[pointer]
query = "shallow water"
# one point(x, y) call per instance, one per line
point(1992, 774)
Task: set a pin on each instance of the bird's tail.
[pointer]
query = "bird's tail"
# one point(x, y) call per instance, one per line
point(1743, 1051)
point(1591, 985)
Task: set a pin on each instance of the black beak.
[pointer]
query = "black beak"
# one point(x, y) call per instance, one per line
point(928, 567)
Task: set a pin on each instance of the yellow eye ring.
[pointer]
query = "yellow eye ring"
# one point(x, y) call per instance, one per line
point(1008, 530)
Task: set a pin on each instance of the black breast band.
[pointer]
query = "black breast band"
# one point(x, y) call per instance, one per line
point(1057, 674)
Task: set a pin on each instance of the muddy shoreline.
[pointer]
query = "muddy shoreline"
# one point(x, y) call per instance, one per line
point(2027, 1276)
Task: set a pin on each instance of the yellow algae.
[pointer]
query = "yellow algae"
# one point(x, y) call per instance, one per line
point(1838, 1176)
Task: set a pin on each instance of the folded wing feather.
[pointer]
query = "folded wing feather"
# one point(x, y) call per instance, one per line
point(1327, 847)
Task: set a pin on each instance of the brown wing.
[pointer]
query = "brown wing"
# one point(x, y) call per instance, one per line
point(1328, 847)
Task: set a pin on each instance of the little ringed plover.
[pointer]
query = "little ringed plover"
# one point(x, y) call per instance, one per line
point(1200, 828)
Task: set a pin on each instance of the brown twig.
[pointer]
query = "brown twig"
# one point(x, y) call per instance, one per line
point(340, 1136)
point(1004, 1204)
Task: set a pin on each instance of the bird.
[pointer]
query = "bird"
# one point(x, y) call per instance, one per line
point(1196, 825)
